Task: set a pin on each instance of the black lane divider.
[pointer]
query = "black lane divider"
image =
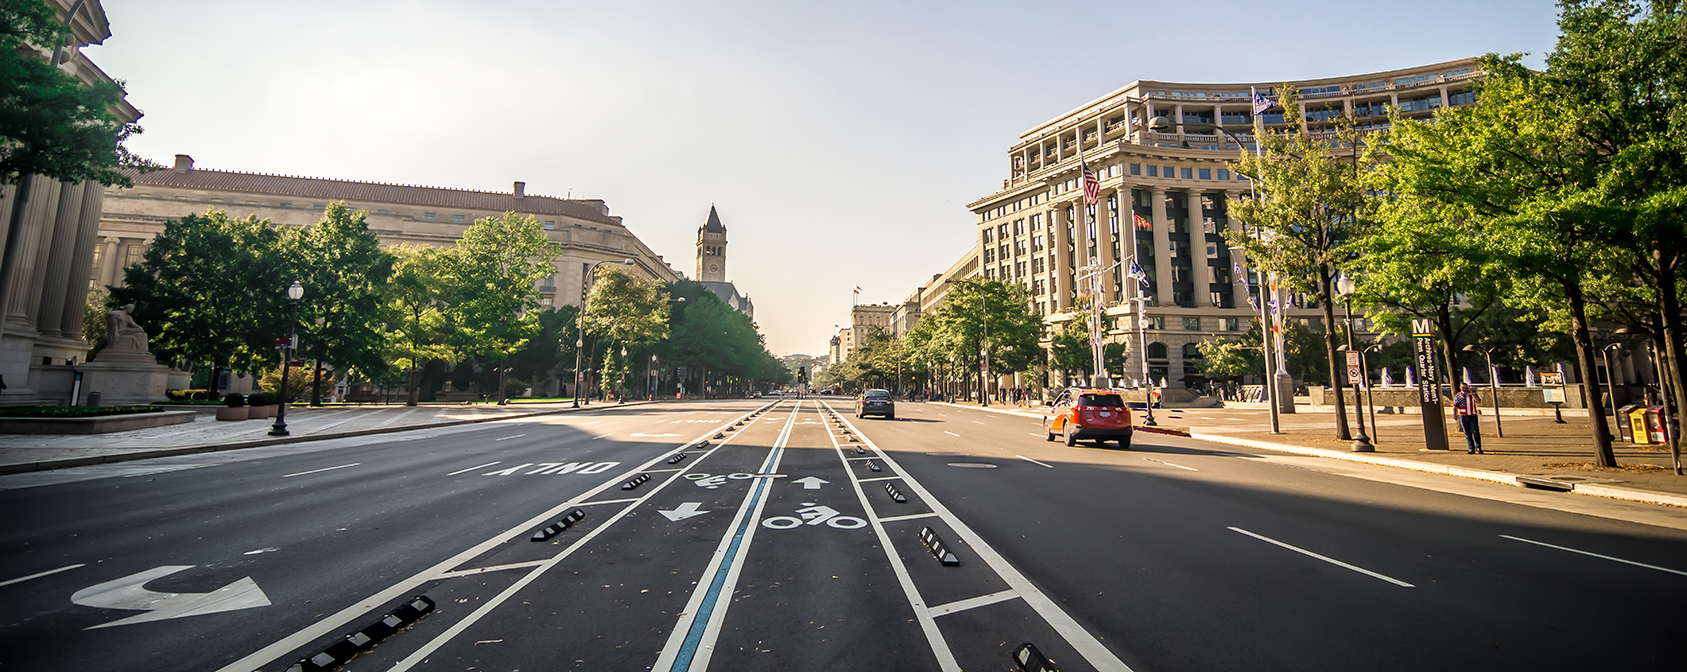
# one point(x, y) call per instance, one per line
point(676, 458)
point(895, 494)
point(557, 527)
point(1030, 659)
point(935, 544)
point(355, 643)
point(860, 451)
point(873, 465)
point(731, 429)
point(637, 481)
point(720, 435)
point(700, 445)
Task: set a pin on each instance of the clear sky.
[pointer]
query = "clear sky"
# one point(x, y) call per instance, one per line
point(840, 141)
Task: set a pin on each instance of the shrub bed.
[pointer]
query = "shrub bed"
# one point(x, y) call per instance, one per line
point(74, 411)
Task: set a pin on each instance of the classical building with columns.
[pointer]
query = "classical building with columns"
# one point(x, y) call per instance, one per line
point(56, 233)
point(397, 214)
point(1038, 232)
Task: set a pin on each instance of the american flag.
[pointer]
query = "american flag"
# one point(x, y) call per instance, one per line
point(1141, 222)
point(1136, 272)
point(1261, 103)
point(1092, 186)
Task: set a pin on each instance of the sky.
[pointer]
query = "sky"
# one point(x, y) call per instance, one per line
point(839, 141)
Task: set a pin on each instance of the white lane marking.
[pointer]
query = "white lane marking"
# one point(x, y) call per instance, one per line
point(1150, 459)
point(951, 433)
point(1572, 550)
point(977, 422)
point(881, 478)
point(1040, 436)
point(602, 435)
point(1027, 459)
point(509, 471)
point(1325, 558)
point(934, 637)
point(494, 568)
point(513, 436)
point(611, 501)
point(397, 417)
point(323, 627)
point(915, 516)
point(318, 471)
point(261, 551)
point(745, 523)
point(973, 603)
point(478, 466)
point(49, 572)
point(1075, 635)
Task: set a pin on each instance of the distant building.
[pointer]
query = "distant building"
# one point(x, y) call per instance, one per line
point(711, 265)
point(396, 214)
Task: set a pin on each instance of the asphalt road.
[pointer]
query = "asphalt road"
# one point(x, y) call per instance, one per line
point(777, 546)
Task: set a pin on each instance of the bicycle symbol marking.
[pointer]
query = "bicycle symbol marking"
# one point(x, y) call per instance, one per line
point(814, 515)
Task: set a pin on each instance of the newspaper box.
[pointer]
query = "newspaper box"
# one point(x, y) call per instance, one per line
point(1657, 424)
point(1624, 423)
point(1636, 420)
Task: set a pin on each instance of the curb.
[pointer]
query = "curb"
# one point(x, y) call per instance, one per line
point(44, 465)
point(1505, 478)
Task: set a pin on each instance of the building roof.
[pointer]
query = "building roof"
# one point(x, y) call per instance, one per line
point(714, 225)
point(316, 187)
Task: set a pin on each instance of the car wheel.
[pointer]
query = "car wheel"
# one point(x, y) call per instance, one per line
point(891, 416)
point(1048, 432)
point(1125, 443)
point(1071, 437)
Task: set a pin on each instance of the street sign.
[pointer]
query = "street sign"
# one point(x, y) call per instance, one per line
point(1421, 328)
point(1429, 388)
point(1355, 372)
point(1552, 378)
point(282, 343)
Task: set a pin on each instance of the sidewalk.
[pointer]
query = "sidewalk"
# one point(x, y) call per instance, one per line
point(1533, 446)
point(36, 452)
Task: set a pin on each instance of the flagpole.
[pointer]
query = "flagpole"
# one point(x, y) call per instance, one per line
point(1272, 389)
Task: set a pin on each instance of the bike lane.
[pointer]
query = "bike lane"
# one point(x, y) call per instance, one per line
point(605, 593)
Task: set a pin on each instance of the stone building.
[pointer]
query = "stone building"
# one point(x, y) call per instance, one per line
point(51, 238)
point(711, 265)
point(1038, 232)
point(396, 214)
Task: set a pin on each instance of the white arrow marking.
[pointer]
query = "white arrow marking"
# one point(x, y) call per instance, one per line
point(810, 482)
point(130, 592)
point(683, 511)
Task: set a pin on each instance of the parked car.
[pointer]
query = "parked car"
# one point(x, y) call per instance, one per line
point(1088, 414)
point(875, 402)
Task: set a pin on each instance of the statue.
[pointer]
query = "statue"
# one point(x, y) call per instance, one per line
point(123, 335)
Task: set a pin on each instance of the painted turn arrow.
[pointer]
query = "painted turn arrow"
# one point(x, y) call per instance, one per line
point(130, 592)
point(684, 511)
point(810, 482)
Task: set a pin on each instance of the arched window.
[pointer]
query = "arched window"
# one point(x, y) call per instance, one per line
point(1191, 351)
point(1156, 351)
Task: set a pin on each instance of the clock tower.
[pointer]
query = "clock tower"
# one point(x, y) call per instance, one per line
point(711, 250)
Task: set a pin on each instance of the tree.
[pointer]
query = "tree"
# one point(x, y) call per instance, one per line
point(52, 124)
point(1312, 208)
point(626, 309)
point(493, 274)
point(211, 289)
point(416, 328)
point(958, 328)
point(1069, 347)
point(549, 352)
point(344, 270)
point(1224, 359)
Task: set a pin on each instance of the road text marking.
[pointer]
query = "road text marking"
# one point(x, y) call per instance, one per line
point(49, 572)
point(318, 471)
point(1327, 559)
point(1572, 550)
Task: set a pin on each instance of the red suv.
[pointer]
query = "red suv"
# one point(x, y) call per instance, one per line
point(1088, 414)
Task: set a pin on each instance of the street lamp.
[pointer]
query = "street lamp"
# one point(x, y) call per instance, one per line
point(621, 380)
point(1493, 384)
point(580, 323)
point(1611, 379)
point(294, 293)
point(1361, 443)
point(1370, 392)
point(502, 371)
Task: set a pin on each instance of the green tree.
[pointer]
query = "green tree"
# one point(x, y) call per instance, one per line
point(416, 328)
point(1069, 347)
point(958, 328)
point(493, 274)
point(1223, 359)
point(1312, 209)
point(51, 123)
point(344, 271)
point(626, 309)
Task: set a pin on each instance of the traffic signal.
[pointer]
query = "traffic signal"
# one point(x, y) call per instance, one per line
point(802, 374)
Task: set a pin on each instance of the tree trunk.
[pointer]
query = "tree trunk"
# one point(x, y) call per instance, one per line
point(316, 383)
point(1585, 357)
point(1670, 356)
point(410, 396)
point(1330, 345)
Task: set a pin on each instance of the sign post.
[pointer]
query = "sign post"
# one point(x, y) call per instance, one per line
point(1355, 374)
point(1429, 386)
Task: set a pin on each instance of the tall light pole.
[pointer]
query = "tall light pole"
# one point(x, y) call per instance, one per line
point(1271, 387)
point(295, 292)
point(580, 323)
point(1494, 384)
point(1611, 381)
point(1361, 443)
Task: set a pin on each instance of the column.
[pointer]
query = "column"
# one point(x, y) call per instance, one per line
point(38, 220)
point(108, 261)
point(1104, 241)
point(56, 280)
point(1162, 246)
point(82, 260)
point(1199, 266)
point(1062, 266)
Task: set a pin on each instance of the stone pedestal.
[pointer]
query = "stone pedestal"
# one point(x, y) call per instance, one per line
point(125, 379)
point(1283, 393)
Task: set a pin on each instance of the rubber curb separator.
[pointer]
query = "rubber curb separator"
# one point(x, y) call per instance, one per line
point(895, 494)
point(871, 464)
point(934, 544)
point(1029, 659)
point(351, 645)
point(557, 527)
point(637, 481)
point(677, 458)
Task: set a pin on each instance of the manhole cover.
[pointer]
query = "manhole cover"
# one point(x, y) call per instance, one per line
point(972, 465)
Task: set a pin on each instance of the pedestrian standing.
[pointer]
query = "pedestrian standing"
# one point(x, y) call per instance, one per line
point(1468, 404)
